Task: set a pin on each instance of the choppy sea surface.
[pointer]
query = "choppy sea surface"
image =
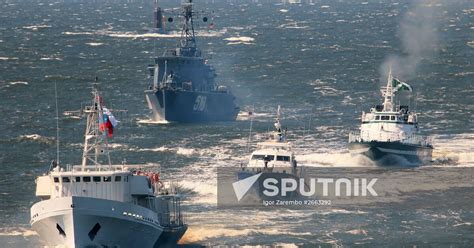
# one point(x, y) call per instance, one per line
point(322, 61)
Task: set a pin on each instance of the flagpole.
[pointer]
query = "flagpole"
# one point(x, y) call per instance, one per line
point(57, 122)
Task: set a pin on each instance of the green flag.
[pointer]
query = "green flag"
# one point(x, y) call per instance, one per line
point(399, 85)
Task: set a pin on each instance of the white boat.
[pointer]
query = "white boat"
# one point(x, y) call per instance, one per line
point(273, 158)
point(389, 134)
point(97, 204)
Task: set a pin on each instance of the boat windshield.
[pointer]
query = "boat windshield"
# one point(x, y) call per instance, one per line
point(263, 157)
point(283, 158)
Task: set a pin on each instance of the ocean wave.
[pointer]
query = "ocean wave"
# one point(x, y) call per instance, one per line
point(204, 232)
point(36, 138)
point(150, 121)
point(293, 25)
point(37, 27)
point(462, 74)
point(8, 58)
point(247, 115)
point(156, 149)
point(241, 38)
point(17, 231)
point(463, 224)
point(18, 83)
point(94, 44)
point(204, 186)
point(245, 40)
point(334, 159)
point(135, 35)
point(453, 150)
point(51, 58)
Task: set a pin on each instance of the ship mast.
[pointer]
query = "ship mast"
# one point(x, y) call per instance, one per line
point(388, 93)
point(188, 38)
point(278, 125)
point(95, 143)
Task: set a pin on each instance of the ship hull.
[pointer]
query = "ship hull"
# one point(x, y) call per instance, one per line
point(171, 236)
point(88, 222)
point(392, 153)
point(191, 106)
point(257, 188)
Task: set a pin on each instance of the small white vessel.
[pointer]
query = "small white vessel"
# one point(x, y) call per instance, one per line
point(273, 158)
point(389, 134)
point(274, 152)
point(98, 204)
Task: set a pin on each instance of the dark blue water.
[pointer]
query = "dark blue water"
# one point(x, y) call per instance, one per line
point(323, 61)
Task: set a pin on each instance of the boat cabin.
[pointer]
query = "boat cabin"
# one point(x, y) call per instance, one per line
point(116, 183)
point(272, 155)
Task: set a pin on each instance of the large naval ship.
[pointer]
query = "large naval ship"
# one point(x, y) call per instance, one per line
point(389, 134)
point(98, 204)
point(182, 87)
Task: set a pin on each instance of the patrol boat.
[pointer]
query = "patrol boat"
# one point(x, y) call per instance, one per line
point(181, 84)
point(98, 204)
point(273, 158)
point(388, 135)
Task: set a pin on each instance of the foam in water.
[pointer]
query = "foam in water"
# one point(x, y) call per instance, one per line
point(152, 122)
point(17, 231)
point(37, 138)
point(94, 44)
point(18, 83)
point(7, 58)
point(135, 35)
point(240, 40)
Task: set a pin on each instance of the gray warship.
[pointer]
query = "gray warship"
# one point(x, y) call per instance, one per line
point(181, 85)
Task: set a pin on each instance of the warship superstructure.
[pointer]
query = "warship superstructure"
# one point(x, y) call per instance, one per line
point(159, 22)
point(98, 204)
point(389, 134)
point(182, 85)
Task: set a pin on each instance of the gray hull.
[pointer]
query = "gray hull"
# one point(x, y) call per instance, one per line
point(91, 222)
point(392, 153)
point(191, 106)
point(170, 236)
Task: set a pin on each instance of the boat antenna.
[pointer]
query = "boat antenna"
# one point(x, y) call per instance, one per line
point(309, 122)
point(388, 94)
point(57, 122)
point(250, 129)
point(188, 37)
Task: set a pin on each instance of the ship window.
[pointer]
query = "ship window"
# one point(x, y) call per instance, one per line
point(258, 157)
point(118, 178)
point(392, 117)
point(377, 117)
point(283, 158)
point(86, 179)
point(107, 179)
point(56, 180)
point(385, 117)
point(66, 180)
point(78, 179)
point(263, 157)
point(96, 179)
